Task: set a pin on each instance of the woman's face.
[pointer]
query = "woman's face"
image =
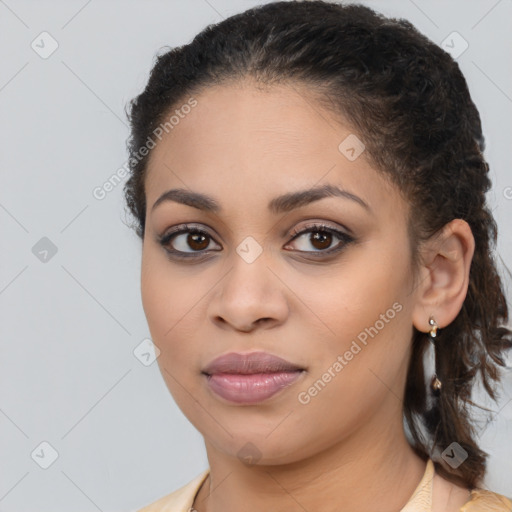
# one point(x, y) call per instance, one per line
point(335, 301)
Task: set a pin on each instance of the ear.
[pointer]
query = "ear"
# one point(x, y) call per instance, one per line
point(443, 276)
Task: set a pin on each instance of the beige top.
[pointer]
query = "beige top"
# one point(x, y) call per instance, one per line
point(480, 500)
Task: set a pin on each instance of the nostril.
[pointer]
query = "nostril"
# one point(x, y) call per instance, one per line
point(263, 320)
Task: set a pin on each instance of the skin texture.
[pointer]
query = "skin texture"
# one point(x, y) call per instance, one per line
point(345, 449)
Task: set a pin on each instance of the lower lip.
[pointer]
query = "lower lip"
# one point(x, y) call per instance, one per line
point(250, 389)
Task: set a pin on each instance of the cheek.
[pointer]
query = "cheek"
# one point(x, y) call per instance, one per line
point(163, 292)
point(155, 295)
point(347, 301)
point(168, 301)
point(165, 306)
point(360, 372)
point(365, 319)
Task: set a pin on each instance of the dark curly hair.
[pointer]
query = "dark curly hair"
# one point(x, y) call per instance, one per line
point(409, 103)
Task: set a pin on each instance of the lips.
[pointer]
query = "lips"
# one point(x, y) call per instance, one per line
point(247, 364)
point(250, 378)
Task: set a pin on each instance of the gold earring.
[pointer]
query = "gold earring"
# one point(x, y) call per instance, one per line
point(435, 383)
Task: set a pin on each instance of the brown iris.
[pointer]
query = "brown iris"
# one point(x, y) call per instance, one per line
point(321, 237)
point(197, 241)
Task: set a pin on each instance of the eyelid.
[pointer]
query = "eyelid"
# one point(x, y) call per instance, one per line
point(321, 225)
point(181, 229)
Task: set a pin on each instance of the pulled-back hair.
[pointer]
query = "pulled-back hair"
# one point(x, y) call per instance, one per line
point(409, 103)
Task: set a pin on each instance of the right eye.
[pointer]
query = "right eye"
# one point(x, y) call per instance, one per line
point(186, 241)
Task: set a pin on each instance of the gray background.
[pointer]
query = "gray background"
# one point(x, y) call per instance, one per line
point(70, 321)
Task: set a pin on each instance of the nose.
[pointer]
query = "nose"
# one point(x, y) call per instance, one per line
point(249, 296)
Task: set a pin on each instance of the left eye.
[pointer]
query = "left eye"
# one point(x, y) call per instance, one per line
point(320, 238)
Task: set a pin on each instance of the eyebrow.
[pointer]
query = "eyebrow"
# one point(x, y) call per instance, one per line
point(281, 204)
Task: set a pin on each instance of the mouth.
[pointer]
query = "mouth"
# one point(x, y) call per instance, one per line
point(250, 378)
point(249, 363)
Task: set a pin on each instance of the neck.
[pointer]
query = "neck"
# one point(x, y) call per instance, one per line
point(372, 468)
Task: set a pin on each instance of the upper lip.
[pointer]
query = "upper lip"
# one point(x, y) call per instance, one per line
point(249, 363)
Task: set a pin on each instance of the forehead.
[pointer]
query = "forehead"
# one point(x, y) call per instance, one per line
point(243, 144)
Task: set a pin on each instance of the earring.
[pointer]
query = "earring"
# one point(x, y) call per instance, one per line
point(435, 383)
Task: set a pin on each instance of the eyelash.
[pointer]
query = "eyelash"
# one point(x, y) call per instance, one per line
point(164, 240)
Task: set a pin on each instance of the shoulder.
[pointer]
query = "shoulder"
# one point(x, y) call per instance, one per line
point(180, 500)
point(482, 500)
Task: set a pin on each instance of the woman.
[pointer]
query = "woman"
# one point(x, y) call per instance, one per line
point(308, 183)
